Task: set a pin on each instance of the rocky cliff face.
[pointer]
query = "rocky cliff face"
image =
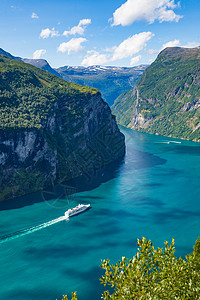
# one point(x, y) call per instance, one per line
point(78, 136)
point(166, 99)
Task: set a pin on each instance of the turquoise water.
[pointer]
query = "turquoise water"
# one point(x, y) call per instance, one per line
point(155, 193)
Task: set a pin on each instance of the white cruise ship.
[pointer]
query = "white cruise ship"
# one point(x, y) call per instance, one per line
point(76, 210)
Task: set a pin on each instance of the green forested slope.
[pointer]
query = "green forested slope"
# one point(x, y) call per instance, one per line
point(27, 94)
point(50, 130)
point(166, 99)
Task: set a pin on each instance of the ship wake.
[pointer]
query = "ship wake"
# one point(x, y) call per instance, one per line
point(17, 234)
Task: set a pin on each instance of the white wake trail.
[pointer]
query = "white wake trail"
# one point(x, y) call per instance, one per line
point(17, 234)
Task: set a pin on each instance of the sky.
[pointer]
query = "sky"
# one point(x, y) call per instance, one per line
point(97, 32)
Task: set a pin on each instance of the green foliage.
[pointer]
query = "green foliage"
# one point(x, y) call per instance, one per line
point(28, 95)
point(154, 274)
point(168, 94)
point(55, 112)
point(74, 297)
point(124, 107)
point(22, 181)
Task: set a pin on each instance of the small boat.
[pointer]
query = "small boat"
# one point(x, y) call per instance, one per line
point(76, 210)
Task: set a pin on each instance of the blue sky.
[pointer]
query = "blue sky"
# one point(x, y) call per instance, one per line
point(100, 32)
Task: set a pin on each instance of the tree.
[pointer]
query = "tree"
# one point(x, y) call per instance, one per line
point(153, 274)
point(74, 297)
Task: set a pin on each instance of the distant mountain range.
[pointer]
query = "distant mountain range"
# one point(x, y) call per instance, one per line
point(166, 99)
point(111, 81)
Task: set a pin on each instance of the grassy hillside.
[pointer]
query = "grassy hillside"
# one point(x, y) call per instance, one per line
point(27, 94)
point(166, 99)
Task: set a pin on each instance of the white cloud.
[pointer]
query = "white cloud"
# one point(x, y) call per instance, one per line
point(135, 60)
point(79, 29)
point(45, 33)
point(34, 16)
point(132, 45)
point(151, 60)
point(84, 22)
point(152, 51)
point(94, 58)
point(148, 10)
point(174, 43)
point(74, 45)
point(110, 50)
point(127, 48)
point(191, 45)
point(38, 53)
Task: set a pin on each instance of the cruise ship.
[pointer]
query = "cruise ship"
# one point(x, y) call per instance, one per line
point(76, 210)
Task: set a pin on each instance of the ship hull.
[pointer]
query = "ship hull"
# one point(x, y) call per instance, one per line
point(73, 213)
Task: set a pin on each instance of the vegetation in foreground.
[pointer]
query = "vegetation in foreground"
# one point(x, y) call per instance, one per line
point(152, 274)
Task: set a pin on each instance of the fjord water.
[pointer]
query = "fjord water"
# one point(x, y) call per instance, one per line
point(155, 193)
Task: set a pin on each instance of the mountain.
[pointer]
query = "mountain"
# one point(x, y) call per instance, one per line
point(3, 52)
point(50, 130)
point(42, 64)
point(166, 99)
point(111, 81)
point(39, 63)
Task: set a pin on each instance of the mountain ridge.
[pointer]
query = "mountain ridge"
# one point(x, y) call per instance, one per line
point(111, 81)
point(166, 99)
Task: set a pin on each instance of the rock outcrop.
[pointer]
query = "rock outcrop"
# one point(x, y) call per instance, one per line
point(166, 99)
point(50, 130)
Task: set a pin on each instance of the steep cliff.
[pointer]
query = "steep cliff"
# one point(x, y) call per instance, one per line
point(166, 99)
point(50, 130)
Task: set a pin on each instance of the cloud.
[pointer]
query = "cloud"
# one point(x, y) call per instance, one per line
point(46, 33)
point(127, 48)
point(191, 45)
point(74, 45)
point(174, 43)
point(38, 53)
point(79, 29)
point(145, 10)
point(152, 51)
point(34, 16)
point(84, 22)
point(94, 58)
point(132, 45)
point(135, 60)
point(110, 49)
